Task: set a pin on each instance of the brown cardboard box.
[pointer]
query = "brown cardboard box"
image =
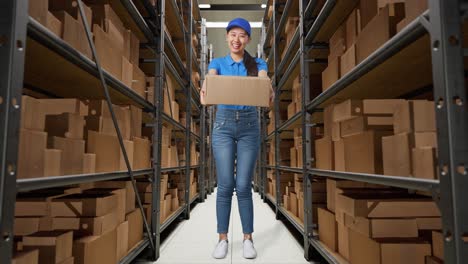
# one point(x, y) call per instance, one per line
point(89, 163)
point(293, 157)
point(127, 73)
point(334, 186)
point(31, 154)
point(286, 202)
point(429, 223)
point(368, 251)
point(73, 32)
point(397, 155)
point(175, 204)
point(382, 228)
point(368, 9)
point(424, 163)
point(353, 28)
point(331, 74)
point(65, 125)
point(83, 205)
point(293, 203)
point(135, 227)
point(52, 162)
point(363, 152)
point(136, 120)
point(291, 109)
point(328, 232)
point(72, 9)
point(173, 157)
point(324, 154)
point(32, 113)
point(94, 226)
point(414, 8)
point(127, 185)
point(299, 157)
point(346, 110)
point(335, 131)
point(110, 54)
point(60, 106)
point(415, 116)
point(433, 260)
point(54, 246)
point(300, 209)
point(38, 10)
point(96, 249)
point(72, 154)
point(360, 124)
point(122, 240)
point(343, 240)
point(380, 106)
point(339, 156)
point(139, 81)
point(27, 225)
point(423, 139)
point(437, 244)
point(337, 43)
point(328, 120)
point(168, 201)
point(32, 207)
point(109, 157)
point(236, 90)
point(26, 257)
point(385, 206)
point(141, 155)
point(379, 30)
point(175, 110)
point(70, 260)
point(348, 60)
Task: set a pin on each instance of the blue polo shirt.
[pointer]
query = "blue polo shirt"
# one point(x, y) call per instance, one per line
point(227, 66)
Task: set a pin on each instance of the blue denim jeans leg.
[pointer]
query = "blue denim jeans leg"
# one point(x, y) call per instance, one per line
point(236, 141)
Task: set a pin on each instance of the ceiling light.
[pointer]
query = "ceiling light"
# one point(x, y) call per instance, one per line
point(263, 5)
point(204, 6)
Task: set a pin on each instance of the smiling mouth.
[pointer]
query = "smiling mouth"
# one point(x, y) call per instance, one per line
point(236, 46)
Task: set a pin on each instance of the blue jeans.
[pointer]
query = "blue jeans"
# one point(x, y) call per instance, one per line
point(236, 141)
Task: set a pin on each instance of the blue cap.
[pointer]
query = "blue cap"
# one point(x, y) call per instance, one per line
point(239, 22)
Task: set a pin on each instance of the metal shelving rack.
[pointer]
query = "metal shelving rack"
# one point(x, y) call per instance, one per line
point(437, 35)
point(16, 27)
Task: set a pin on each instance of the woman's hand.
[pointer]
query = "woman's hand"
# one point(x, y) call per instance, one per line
point(203, 89)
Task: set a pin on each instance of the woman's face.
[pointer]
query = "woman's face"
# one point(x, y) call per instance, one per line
point(237, 39)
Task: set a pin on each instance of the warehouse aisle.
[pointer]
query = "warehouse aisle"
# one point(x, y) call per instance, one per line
point(192, 241)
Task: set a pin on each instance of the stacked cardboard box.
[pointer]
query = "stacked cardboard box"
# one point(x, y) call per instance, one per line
point(74, 225)
point(51, 138)
point(379, 222)
point(102, 138)
point(387, 133)
point(116, 46)
point(145, 193)
point(286, 147)
point(289, 30)
point(367, 28)
point(193, 184)
point(293, 197)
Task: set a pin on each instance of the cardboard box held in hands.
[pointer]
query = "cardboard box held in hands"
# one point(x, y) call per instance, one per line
point(237, 90)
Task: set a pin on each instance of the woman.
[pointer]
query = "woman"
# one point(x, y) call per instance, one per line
point(236, 139)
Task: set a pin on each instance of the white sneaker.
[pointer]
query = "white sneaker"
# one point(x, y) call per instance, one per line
point(220, 250)
point(249, 250)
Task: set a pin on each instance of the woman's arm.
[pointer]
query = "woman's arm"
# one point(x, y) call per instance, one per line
point(263, 73)
point(203, 90)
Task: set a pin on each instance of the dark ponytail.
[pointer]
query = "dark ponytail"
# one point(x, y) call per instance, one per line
point(250, 64)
